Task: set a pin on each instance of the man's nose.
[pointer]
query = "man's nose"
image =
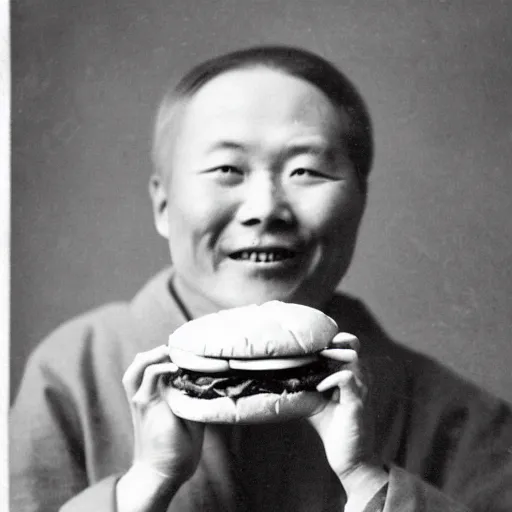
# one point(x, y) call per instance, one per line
point(264, 202)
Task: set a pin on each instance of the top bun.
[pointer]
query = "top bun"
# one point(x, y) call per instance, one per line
point(274, 329)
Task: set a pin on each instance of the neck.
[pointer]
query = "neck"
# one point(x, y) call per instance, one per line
point(193, 303)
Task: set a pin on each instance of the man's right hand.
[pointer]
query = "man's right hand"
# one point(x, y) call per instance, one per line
point(167, 449)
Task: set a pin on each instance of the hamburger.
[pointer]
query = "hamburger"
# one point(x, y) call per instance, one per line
point(252, 364)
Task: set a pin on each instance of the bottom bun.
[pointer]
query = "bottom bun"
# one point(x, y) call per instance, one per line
point(260, 408)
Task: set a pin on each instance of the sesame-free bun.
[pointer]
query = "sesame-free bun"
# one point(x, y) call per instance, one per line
point(253, 409)
point(274, 329)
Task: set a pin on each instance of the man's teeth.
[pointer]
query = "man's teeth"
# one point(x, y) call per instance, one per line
point(264, 256)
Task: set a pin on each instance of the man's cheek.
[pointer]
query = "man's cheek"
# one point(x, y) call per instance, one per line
point(191, 212)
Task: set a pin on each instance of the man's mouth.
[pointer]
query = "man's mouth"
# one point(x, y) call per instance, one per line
point(264, 256)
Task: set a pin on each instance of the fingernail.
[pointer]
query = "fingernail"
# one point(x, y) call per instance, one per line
point(346, 355)
point(321, 387)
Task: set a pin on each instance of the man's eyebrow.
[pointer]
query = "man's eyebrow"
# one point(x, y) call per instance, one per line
point(314, 148)
point(320, 149)
point(227, 144)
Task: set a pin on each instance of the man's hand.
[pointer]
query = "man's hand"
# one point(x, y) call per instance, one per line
point(167, 449)
point(345, 426)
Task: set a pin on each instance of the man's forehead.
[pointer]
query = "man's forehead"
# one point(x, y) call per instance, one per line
point(258, 92)
point(259, 107)
point(240, 103)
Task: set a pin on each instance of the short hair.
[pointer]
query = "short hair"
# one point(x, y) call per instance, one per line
point(295, 62)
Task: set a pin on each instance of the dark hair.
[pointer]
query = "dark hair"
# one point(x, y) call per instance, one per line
point(292, 61)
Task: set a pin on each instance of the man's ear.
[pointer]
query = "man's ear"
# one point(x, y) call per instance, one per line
point(159, 199)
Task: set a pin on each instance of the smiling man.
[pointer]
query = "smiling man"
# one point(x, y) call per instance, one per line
point(259, 199)
point(261, 165)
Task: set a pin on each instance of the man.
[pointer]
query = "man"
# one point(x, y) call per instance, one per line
point(262, 158)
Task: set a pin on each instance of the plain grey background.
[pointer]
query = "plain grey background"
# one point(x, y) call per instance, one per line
point(435, 254)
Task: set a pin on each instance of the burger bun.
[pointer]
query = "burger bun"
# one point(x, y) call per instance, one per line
point(253, 409)
point(273, 329)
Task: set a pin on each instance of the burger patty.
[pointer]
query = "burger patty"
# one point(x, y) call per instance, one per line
point(236, 383)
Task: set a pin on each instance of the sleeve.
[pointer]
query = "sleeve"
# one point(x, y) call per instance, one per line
point(480, 463)
point(47, 459)
point(409, 493)
point(458, 445)
point(377, 503)
point(100, 497)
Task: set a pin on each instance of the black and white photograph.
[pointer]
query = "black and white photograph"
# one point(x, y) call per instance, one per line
point(260, 256)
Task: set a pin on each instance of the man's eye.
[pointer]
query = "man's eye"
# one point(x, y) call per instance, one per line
point(227, 174)
point(305, 172)
point(228, 169)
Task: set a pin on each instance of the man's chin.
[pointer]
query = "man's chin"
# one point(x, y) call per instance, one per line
point(236, 287)
point(233, 291)
point(258, 293)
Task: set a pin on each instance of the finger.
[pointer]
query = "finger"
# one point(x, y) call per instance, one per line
point(340, 354)
point(149, 386)
point(334, 380)
point(133, 375)
point(345, 340)
point(344, 380)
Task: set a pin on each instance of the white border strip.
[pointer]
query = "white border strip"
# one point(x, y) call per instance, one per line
point(5, 232)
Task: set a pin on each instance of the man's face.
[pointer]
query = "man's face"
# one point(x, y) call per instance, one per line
point(261, 200)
